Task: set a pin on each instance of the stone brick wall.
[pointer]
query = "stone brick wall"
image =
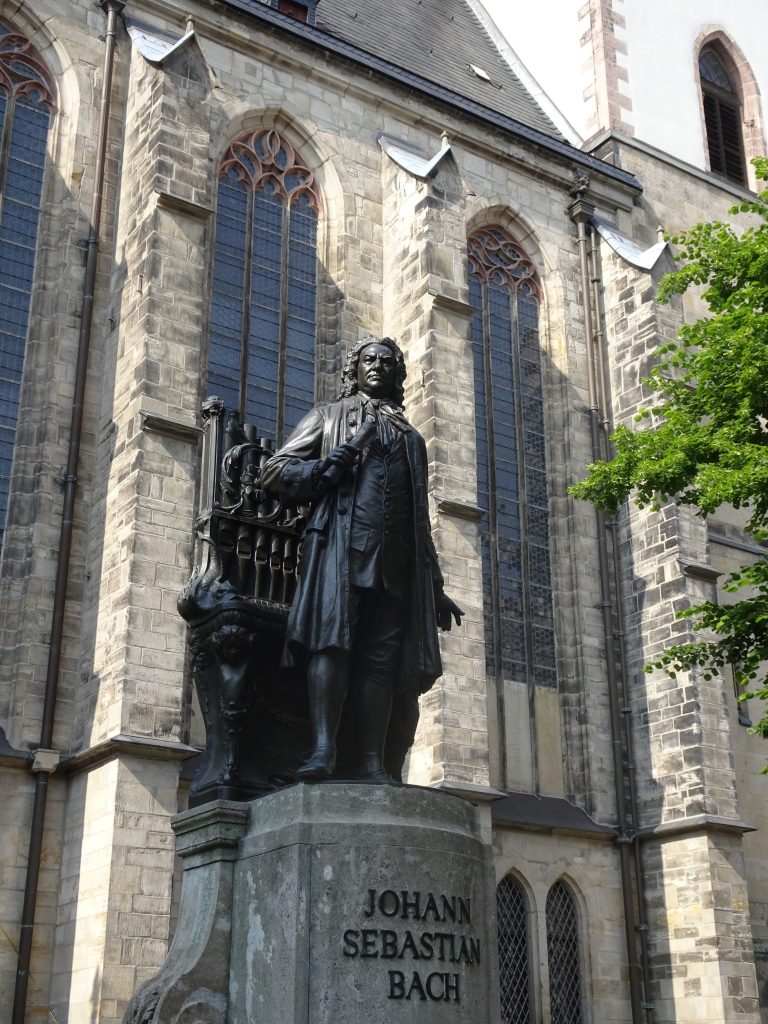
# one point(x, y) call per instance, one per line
point(676, 197)
point(604, 52)
point(147, 480)
point(16, 796)
point(700, 940)
point(683, 742)
point(115, 897)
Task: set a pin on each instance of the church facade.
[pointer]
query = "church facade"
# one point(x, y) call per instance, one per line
point(221, 198)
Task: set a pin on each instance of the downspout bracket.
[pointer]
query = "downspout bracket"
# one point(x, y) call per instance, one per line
point(45, 761)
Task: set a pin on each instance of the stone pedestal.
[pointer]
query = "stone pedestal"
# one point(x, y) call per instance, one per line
point(337, 903)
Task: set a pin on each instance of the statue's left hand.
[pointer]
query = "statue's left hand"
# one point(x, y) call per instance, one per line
point(445, 610)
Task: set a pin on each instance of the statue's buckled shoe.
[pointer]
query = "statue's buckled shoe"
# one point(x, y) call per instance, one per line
point(374, 775)
point(318, 768)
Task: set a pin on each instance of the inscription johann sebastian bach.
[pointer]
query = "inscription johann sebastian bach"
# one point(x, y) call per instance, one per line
point(439, 952)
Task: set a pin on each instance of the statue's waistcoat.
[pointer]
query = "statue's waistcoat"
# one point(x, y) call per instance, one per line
point(381, 536)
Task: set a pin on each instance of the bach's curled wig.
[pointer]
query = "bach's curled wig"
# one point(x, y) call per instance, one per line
point(349, 373)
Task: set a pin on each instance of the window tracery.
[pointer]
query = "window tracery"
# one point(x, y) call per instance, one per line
point(22, 70)
point(496, 259)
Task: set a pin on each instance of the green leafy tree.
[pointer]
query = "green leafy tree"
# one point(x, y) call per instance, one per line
point(705, 442)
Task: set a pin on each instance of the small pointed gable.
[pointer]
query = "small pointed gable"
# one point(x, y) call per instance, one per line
point(180, 55)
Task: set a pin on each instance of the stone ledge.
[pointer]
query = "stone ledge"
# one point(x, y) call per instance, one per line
point(168, 426)
point(699, 570)
point(452, 305)
point(469, 791)
point(458, 508)
point(168, 201)
point(124, 745)
point(722, 184)
point(212, 831)
point(697, 823)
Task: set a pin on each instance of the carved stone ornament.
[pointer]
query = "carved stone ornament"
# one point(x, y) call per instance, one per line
point(496, 259)
point(264, 157)
point(579, 186)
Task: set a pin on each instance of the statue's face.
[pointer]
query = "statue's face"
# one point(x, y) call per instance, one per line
point(376, 371)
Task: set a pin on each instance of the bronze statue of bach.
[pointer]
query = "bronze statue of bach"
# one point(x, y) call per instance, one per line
point(363, 624)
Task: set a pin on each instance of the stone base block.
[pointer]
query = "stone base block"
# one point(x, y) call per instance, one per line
point(343, 903)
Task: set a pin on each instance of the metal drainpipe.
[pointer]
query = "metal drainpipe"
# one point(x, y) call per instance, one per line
point(581, 213)
point(112, 9)
point(642, 926)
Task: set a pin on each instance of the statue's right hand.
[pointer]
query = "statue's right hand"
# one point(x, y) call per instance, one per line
point(343, 455)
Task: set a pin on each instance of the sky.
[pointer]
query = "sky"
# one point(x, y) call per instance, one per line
point(546, 39)
point(504, 14)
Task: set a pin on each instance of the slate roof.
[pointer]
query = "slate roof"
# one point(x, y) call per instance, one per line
point(438, 40)
point(428, 45)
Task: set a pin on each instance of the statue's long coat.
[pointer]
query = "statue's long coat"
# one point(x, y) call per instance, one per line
point(319, 617)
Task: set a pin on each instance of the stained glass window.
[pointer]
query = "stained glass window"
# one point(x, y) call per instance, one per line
point(514, 970)
point(563, 955)
point(263, 307)
point(511, 460)
point(26, 104)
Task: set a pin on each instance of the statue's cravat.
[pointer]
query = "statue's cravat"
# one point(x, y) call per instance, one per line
point(389, 419)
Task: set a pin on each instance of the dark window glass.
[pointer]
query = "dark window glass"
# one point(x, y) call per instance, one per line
point(511, 461)
point(295, 10)
point(263, 309)
point(25, 115)
point(722, 119)
point(563, 956)
point(264, 327)
point(300, 327)
point(514, 972)
point(228, 298)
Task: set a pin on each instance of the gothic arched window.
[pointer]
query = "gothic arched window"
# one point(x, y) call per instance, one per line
point(511, 460)
point(563, 956)
point(263, 308)
point(514, 969)
point(26, 105)
point(722, 118)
